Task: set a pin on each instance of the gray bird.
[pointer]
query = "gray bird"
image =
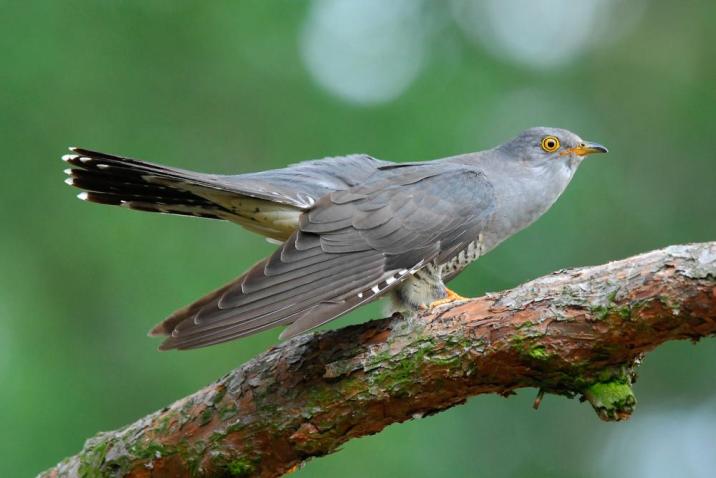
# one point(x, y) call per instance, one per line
point(351, 229)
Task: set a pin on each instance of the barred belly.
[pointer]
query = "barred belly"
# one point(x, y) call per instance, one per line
point(462, 259)
point(428, 284)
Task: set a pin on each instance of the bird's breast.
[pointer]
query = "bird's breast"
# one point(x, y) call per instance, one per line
point(521, 197)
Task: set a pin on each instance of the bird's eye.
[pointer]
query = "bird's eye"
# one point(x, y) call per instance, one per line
point(550, 144)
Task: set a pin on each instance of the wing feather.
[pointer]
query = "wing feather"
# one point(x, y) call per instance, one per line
point(351, 248)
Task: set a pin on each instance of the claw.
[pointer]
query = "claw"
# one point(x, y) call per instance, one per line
point(451, 297)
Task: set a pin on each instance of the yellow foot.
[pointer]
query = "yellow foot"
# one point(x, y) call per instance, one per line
point(451, 297)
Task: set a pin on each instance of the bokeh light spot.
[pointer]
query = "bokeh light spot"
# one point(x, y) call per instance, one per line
point(539, 34)
point(364, 51)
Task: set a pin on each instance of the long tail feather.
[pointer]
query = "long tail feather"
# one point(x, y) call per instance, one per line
point(108, 179)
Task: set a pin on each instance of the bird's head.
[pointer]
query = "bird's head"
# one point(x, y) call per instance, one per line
point(544, 147)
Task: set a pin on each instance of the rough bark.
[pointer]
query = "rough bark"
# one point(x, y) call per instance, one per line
point(579, 333)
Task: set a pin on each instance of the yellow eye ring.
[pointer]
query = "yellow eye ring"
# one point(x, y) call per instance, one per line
point(550, 144)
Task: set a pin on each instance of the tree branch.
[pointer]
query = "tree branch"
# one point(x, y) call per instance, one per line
point(578, 332)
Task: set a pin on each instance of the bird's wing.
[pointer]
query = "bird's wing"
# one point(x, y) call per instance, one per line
point(352, 247)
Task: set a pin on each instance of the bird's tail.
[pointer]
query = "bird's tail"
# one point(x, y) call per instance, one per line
point(140, 185)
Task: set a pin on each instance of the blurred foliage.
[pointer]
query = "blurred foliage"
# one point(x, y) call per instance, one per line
point(222, 87)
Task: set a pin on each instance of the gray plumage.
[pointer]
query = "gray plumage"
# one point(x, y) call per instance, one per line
point(352, 228)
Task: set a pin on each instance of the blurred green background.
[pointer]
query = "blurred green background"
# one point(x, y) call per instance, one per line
point(238, 86)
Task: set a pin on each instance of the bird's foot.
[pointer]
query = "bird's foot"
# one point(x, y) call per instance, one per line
point(450, 298)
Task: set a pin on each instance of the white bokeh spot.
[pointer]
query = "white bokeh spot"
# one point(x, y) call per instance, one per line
point(364, 51)
point(536, 33)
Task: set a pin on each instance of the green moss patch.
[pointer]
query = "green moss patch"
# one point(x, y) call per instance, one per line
point(613, 400)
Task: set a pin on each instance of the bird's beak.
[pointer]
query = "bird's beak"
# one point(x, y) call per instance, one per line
point(587, 148)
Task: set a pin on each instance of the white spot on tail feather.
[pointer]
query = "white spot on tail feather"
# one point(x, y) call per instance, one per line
point(103, 166)
point(83, 196)
point(68, 157)
point(70, 181)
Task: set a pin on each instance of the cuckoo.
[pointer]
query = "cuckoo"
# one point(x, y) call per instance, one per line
point(349, 229)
